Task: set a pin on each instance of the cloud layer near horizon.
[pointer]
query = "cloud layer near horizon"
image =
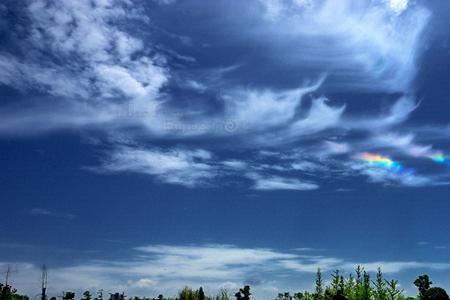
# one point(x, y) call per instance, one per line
point(155, 269)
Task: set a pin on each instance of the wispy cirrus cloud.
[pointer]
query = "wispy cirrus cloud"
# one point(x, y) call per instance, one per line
point(379, 40)
point(194, 168)
point(264, 183)
point(92, 70)
point(42, 212)
point(176, 166)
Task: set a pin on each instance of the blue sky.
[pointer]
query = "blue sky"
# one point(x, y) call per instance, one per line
point(148, 145)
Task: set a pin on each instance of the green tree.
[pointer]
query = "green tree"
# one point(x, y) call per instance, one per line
point(308, 296)
point(68, 295)
point(365, 287)
point(436, 293)
point(117, 296)
point(349, 288)
point(337, 283)
point(341, 285)
point(87, 295)
point(393, 291)
point(339, 297)
point(284, 296)
point(358, 272)
point(329, 293)
point(187, 294)
point(318, 295)
point(201, 294)
point(7, 292)
point(358, 282)
point(380, 286)
point(245, 292)
point(99, 295)
point(298, 296)
point(222, 295)
point(423, 283)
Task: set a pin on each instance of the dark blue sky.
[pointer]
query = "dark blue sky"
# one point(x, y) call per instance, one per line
point(148, 145)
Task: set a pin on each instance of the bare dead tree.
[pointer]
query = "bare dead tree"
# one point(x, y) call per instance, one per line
point(8, 271)
point(44, 283)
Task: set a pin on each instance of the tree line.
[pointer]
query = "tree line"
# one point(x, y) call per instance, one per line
point(356, 286)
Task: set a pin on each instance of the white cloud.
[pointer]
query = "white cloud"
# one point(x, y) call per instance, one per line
point(235, 164)
point(395, 267)
point(100, 54)
point(144, 283)
point(52, 214)
point(394, 140)
point(395, 114)
point(101, 75)
point(263, 109)
point(155, 269)
point(165, 2)
point(266, 183)
point(42, 212)
point(285, 170)
point(184, 167)
point(320, 117)
point(307, 166)
point(389, 177)
point(336, 148)
point(317, 119)
point(398, 6)
point(310, 264)
point(372, 44)
point(203, 262)
point(84, 57)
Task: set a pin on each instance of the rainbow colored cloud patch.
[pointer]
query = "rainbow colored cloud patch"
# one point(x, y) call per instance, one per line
point(381, 161)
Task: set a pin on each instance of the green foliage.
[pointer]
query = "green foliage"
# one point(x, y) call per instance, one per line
point(350, 288)
point(201, 294)
point(336, 283)
point(188, 294)
point(243, 294)
point(9, 293)
point(222, 295)
point(329, 293)
point(68, 296)
point(304, 296)
point(357, 286)
point(380, 292)
point(392, 290)
point(423, 283)
point(99, 295)
point(117, 296)
point(284, 296)
point(339, 297)
point(319, 286)
point(436, 293)
point(87, 295)
point(366, 290)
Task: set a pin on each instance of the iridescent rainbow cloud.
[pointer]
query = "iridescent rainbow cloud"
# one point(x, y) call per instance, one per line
point(381, 161)
point(438, 157)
